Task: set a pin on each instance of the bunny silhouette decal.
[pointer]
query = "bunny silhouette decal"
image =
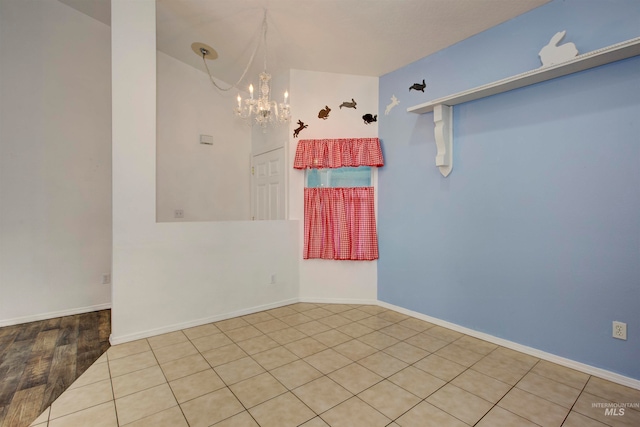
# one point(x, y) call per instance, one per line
point(348, 104)
point(297, 130)
point(394, 102)
point(552, 54)
point(324, 113)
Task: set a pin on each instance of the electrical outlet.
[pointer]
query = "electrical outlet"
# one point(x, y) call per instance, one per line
point(273, 279)
point(620, 330)
point(178, 213)
point(206, 139)
point(106, 279)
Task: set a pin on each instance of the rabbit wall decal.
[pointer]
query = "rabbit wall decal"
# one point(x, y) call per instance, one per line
point(369, 118)
point(297, 130)
point(552, 54)
point(348, 104)
point(418, 86)
point(324, 113)
point(394, 102)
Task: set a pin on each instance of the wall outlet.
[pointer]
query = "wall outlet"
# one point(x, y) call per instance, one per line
point(620, 330)
point(273, 279)
point(106, 279)
point(178, 213)
point(206, 139)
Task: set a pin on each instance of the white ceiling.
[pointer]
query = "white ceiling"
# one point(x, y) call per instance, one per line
point(361, 37)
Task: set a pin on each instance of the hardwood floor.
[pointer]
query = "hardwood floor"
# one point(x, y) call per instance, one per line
point(39, 360)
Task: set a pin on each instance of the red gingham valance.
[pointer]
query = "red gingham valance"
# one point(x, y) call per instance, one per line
point(340, 223)
point(338, 153)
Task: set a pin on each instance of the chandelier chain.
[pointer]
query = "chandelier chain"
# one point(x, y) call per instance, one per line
point(264, 38)
point(246, 69)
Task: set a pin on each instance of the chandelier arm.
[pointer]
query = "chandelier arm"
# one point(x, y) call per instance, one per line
point(253, 55)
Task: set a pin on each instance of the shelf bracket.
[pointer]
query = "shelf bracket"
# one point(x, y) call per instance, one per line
point(443, 121)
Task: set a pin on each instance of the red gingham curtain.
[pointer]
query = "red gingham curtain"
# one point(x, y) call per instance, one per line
point(338, 153)
point(340, 224)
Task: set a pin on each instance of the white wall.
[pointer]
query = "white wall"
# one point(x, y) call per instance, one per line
point(168, 276)
point(208, 182)
point(55, 161)
point(310, 92)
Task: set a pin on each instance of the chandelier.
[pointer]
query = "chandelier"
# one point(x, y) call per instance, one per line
point(263, 110)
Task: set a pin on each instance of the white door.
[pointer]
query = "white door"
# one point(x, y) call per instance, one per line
point(268, 178)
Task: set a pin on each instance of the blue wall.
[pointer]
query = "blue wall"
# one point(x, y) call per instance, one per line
point(535, 235)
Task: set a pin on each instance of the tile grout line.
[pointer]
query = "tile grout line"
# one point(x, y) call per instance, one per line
point(408, 365)
point(576, 401)
point(298, 358)
point(447, 382)
point(269, 371)
point(227, 386)
point(354, 395)
point(113, 392)
point(383, 378)
point(364, 367)
point(512, 387)
point(167, 379)
point(544, 398)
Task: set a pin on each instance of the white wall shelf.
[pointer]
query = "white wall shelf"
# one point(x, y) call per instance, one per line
point(444, 140)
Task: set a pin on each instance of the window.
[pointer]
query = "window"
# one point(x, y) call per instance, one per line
point(339, 177)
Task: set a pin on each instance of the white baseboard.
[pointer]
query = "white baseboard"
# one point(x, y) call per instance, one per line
point(54, 314)
point(340, 301)
point(114, 340)
point(578, 366)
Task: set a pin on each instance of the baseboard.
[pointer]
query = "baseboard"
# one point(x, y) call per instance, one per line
point(578, 366)
point(54, 314)
point(339, 301)
point(114, 340)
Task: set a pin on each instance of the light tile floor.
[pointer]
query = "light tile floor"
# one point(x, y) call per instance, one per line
point(318, 365)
